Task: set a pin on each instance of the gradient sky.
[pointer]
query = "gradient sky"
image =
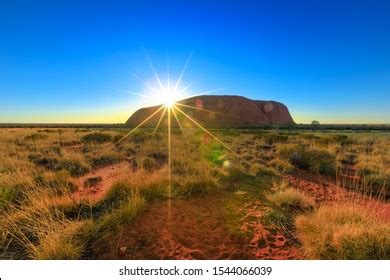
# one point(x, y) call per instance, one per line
point(326, 60)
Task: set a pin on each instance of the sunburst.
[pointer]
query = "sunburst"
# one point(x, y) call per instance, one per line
point(168, 96)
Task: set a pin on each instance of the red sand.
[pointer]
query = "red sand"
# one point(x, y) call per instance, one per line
point(109, 174)
point(194, 229)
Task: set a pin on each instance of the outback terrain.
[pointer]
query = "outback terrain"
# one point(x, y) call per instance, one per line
point(89, 193)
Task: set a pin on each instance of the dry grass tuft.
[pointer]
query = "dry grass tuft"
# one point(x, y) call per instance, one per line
point(343, 232)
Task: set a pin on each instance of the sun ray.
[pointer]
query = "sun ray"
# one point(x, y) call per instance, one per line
point(133, 93)
point(204, 129)
point(146, 84)
point(154, 72)
point(159, 121)
point(139, 125)
point(188, 86)
point(200, 109)
point(183, 70)
point(177, 119)
point(168, 78)
point(169, 163)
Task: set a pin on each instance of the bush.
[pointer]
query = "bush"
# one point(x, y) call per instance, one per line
point(292, 200)
point(126, 211)
point(343, 232)
point(312, 159)
point(104, 160)
point(119, 192)
point(155, 190)
point(74, 167)
point(58, 245)
point(150, 164)
point(96, 138)
point(277, 218)
point(195, 186)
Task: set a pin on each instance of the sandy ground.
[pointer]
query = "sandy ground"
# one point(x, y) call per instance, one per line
point(193, 229)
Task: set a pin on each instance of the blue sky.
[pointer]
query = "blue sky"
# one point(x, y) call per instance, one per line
point(326, 60)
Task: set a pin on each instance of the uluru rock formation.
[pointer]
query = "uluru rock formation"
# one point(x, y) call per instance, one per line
point(217, 111)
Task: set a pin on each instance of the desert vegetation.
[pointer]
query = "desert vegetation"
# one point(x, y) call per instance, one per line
point(74, 193)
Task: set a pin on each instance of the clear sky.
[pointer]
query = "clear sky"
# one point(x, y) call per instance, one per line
point(62, 61)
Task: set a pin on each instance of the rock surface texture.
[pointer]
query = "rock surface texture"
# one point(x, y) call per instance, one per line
point(216, 111)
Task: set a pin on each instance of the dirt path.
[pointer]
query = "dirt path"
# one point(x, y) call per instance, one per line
point(194, 229)
point(104, 176)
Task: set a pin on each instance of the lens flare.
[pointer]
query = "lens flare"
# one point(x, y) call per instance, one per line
point(167, 98)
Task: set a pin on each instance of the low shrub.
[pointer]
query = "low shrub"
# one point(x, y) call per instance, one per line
point(111, 222)
point(158, 190)
point(312, 159)
point(150, 164)
point(194, 186)
point(74, 167)
point(96, 138)
point(343, 232)
point(275, 217)
point(292, 200)
point(60, 243)
point(119, 192)
point(104, 160)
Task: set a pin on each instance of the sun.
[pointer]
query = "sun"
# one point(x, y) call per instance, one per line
point(168, 96)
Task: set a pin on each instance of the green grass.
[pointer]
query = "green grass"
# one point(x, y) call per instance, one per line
point(215, 154)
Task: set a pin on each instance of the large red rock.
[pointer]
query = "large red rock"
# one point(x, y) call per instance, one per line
point(215, 111)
